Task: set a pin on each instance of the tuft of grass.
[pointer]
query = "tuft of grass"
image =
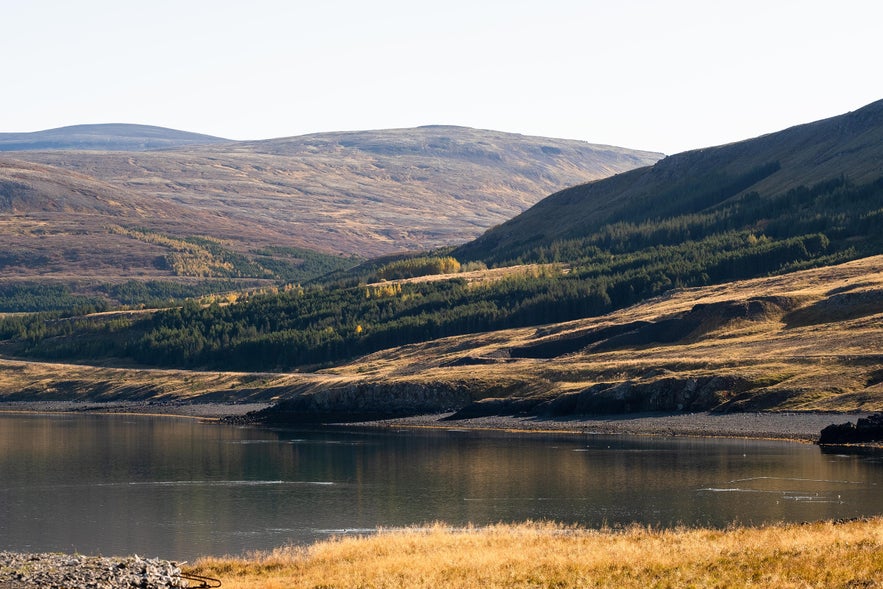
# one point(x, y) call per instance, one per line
point(825, 554)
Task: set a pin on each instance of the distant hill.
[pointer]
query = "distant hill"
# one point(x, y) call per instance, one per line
point(68, 240)
point(367, 193)
point(712, 181)
point(281, 210)
point(104, 137)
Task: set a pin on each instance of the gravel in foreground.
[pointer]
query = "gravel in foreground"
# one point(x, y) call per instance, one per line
point(65, 571)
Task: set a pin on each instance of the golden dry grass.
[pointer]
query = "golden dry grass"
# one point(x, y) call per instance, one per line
point(53, 381)
point(549, 555)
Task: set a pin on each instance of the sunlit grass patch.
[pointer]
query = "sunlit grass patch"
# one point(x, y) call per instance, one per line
point(551, 555)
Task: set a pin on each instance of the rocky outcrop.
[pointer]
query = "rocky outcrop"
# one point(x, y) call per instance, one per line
point(863, 431)
point(663, 394)
point(656, 391)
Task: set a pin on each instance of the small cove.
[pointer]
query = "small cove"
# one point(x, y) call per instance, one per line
point(179, 488)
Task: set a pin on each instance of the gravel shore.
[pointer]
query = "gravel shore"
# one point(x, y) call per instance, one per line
point(65, 571)
point(780, 426)
point(784, 426)
point(203, 410)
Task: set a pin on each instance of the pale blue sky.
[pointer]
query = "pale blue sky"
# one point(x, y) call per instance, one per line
point(666, 76)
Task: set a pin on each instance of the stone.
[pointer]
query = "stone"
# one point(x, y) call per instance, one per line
point(863, 431)
point(27, 570)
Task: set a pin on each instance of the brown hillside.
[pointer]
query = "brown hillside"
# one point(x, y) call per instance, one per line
point(59, 224)
point(369, 193)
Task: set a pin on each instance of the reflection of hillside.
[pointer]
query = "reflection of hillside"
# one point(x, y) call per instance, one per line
point(181, 488)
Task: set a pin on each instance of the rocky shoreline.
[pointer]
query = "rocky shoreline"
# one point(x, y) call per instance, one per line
point(804, 427)
point(179, 409)
point(65, 571)
point(796, 426)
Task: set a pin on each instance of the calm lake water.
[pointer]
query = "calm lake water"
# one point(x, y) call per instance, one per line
point(178, 488)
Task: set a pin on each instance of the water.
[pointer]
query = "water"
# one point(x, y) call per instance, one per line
point(178, 488)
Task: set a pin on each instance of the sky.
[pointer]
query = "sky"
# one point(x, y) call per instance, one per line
point(662, 76)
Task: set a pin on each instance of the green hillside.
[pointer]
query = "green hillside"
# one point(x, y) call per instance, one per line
point(826, 171)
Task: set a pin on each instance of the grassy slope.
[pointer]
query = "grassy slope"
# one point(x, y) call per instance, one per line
point(817, 349)
point(546, 555)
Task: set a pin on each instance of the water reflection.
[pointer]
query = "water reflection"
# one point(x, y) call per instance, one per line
point(180, 488)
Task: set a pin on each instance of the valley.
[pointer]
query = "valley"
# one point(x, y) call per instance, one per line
point(741, 278)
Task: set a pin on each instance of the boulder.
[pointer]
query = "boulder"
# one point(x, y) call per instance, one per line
point(863, 431)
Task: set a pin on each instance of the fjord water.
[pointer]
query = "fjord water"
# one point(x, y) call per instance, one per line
point(179, 488)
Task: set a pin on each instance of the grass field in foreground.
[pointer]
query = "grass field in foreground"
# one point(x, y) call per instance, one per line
point(822, 554)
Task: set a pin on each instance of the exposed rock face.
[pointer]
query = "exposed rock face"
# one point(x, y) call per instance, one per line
point(863, 431)
point(377, 400)
point(664, 394)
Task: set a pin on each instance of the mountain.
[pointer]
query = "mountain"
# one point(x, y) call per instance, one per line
point(700, 218)
point(63, 226)
point(279, 210)
point(848, 147)
point(368, 193)
point(104, 137)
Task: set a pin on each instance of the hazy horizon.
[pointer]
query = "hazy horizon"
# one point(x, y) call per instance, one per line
point(665, 77)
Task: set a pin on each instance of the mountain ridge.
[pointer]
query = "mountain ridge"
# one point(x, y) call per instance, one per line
point(104, 137)
point(849, 145)
point(368, 192)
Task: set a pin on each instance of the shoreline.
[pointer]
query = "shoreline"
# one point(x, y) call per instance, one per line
point(792, 426)
point(209, 411)
point(788, 426)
